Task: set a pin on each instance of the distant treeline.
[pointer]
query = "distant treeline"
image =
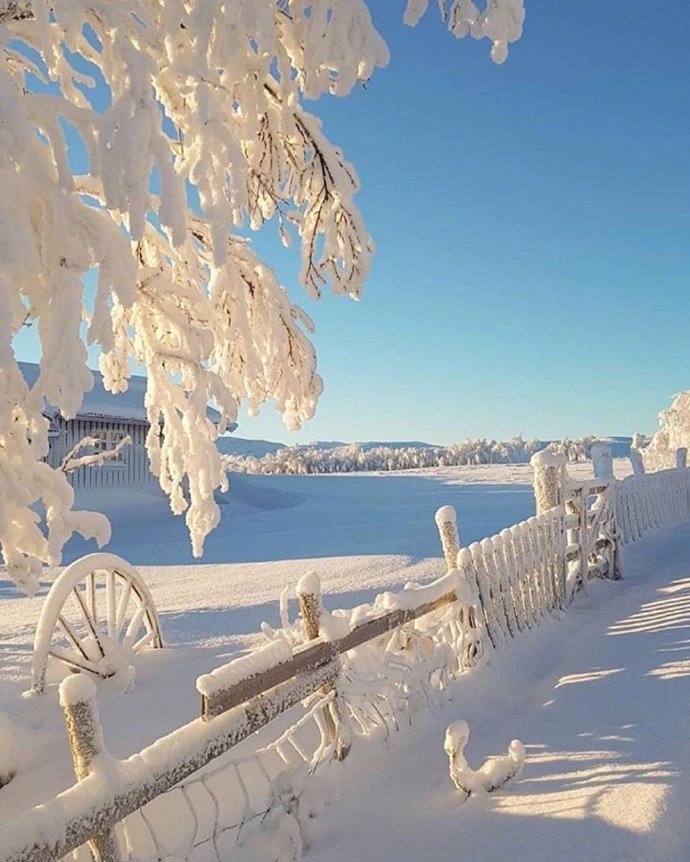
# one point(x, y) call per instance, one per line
point(355, 458)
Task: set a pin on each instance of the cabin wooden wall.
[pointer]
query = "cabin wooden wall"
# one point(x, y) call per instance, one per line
point(131, 471)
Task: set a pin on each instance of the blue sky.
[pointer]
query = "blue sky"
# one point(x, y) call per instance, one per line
point(532, 225)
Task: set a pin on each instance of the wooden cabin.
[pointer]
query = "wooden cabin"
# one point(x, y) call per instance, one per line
point(107, 418)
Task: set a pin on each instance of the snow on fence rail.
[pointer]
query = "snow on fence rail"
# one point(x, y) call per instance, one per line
point(353, 673)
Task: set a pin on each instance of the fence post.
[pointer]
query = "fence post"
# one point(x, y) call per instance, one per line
point(602, 460)
point(637, 462)
point(549, 479)
point(309, 598)
point(446, 521)
point(78, 702)
point(682, 458)
point(549, 492)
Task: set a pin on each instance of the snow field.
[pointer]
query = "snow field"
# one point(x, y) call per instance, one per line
point(437, 562)
point(359, 534)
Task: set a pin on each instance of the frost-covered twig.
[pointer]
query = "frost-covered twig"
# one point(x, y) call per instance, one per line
point(494, 773)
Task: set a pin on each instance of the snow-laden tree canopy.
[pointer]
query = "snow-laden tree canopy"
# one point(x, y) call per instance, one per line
point(135, 136)
point(673, 434)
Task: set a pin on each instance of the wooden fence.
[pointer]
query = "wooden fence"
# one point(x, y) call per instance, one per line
point(353, 673)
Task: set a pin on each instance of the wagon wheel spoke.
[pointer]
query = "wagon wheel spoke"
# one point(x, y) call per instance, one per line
point(143, 641)
point(134, 626)
point(90, 622)
point(91, 595)
point(76, 661)
point(73, 637)
point(122, 605)
point(110, 603)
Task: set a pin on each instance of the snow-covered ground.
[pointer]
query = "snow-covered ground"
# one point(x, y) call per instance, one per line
point(363, 533)
point(600, 698)
point(266, 518)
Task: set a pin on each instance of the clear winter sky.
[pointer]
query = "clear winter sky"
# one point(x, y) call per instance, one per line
point(532, 223)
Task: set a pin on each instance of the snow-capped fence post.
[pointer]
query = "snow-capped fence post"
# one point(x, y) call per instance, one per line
point(549, 479)
point(602, 460)
point(549, 492)
point(682, 458)
point(309, 598)
point(85, 733)
point(637, 462)
point(446, 521)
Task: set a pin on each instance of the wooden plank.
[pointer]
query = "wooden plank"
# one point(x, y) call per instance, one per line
point(315, 655)
point(378, 626)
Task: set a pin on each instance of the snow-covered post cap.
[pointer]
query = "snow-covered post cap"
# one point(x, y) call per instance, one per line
point(549, 477)
point(682, 458)
point(446, 521)
point(309, 597)
point(602, 460)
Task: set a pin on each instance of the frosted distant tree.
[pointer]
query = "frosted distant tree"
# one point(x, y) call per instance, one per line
point(673, 434)
point(135, 135)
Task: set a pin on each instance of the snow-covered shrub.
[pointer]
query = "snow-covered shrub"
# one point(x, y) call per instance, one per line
point(579, 449)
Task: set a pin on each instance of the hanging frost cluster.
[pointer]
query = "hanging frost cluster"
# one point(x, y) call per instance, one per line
point(134, 137)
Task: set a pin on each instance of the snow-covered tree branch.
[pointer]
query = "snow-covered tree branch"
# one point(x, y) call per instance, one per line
point(73, 461)
point(135, 136)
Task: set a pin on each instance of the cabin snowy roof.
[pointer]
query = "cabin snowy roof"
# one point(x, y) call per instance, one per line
point(101, 404)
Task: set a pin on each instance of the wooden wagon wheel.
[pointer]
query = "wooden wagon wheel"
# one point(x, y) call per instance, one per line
point(97, 617)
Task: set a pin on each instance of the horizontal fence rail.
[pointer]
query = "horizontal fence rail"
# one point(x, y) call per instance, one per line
point(353, 673)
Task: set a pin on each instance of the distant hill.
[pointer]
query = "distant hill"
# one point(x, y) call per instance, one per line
point(241, 447)
point(369, 444)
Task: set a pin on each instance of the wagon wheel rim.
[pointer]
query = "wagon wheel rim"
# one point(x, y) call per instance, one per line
point(97, 618)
